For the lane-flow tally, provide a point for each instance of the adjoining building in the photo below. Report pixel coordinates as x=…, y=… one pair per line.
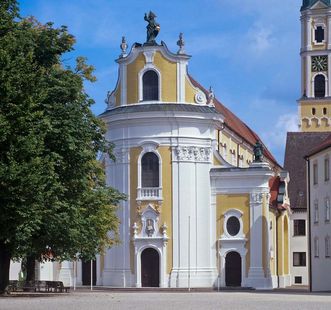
x=319, y=195
x=314, y=109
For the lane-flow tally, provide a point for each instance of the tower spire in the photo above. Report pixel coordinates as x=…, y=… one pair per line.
x=306, y=4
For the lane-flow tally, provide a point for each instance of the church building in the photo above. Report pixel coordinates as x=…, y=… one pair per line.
x=207, y=202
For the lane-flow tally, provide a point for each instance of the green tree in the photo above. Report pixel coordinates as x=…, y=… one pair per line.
x=53, y=196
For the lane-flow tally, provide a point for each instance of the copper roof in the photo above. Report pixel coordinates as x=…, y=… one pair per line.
x=236, y=124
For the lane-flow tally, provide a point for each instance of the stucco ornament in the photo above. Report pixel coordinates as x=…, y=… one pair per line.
x=200, y=98
x=193, y=153
x=256, y=198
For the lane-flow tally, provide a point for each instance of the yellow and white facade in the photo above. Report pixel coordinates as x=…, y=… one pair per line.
x=315, y=103
x=200, y=212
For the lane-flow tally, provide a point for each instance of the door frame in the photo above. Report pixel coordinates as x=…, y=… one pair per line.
x=159, y=246
x=226, y=246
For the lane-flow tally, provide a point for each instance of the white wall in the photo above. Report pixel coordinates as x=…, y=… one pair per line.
x=321, y=266
x=299, y=244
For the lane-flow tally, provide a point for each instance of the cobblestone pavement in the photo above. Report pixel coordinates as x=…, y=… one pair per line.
x=170, y=300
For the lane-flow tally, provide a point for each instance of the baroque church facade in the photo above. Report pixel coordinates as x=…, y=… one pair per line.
x=207, y=203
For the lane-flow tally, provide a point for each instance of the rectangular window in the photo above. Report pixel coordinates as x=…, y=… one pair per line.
x=327, y=247
x=326, y=169
x=316, y=247
x=315, y=174
x=299, y=227
x=316, y=214
x=299, y=259
x=327, y=210
x=298, y=280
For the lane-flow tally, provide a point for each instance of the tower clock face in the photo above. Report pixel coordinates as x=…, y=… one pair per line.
x=319, y=63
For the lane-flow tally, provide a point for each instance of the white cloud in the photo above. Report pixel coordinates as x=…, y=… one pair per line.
x=260, y=39
x=275, y=137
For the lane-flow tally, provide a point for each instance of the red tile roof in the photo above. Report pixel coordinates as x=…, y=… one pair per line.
x=274, y=187
x=236, y=124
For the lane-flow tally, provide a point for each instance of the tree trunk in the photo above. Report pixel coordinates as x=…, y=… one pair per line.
x=30, y=268
x=4, y=267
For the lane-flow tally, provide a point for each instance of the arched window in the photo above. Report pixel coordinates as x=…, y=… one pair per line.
x=319, y=34
x=150, y=170
x=325, y=111
x=150, y=86
x=319, y=86
x=313, y=111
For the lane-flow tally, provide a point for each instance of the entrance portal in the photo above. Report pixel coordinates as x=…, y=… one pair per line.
x=150, y=268
x=233, y=269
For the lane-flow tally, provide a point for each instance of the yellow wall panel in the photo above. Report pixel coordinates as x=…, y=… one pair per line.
x=280, y=245
x=132, y=78
x=272, y=219
x=168, y=71
x=190, y=91
x=265, y=232
x=166, y=209
x=239, y=202
x=134, y=154
x=118, y=96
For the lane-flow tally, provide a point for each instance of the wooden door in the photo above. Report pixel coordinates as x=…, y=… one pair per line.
x=233, y=269
x=150, y=268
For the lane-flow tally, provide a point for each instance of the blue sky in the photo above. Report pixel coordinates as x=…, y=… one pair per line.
x=247, y=50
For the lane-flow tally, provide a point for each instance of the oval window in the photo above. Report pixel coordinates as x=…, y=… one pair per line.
x=233, y=226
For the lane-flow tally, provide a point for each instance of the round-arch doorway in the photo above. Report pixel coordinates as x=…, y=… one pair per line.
x=150, y=268
x=233, y=269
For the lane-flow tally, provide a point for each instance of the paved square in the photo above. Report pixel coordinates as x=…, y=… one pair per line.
x=170, y=300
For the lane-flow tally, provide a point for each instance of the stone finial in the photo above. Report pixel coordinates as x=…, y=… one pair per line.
x=123, y=47
x=211, y=96
x=135, y=229
x=181, y=44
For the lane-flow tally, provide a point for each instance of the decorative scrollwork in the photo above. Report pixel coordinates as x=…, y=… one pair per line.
x=192, y=153
x=121, y=155
x=256, y=198
x=200, y=98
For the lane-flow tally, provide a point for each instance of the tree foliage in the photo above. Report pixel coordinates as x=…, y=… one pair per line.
x=52, y=188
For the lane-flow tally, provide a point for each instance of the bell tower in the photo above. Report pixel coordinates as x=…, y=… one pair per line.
x=315, y=101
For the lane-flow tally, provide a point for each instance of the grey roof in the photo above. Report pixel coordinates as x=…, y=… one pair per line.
x=156, y=107
x=298, y=144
